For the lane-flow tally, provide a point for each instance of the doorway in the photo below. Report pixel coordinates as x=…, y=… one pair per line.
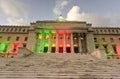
x=76, y=49
x=68, y=49
x=45, y=49
x=60, y=49
x=53, y=50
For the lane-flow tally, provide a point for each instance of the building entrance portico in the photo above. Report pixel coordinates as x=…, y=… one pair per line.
x=60, y=42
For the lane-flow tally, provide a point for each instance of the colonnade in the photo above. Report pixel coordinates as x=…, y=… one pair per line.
x=60, y=42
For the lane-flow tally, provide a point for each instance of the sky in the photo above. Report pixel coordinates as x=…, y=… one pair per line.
x=102, y=13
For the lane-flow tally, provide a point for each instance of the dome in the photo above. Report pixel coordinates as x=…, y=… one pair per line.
x=60, y=18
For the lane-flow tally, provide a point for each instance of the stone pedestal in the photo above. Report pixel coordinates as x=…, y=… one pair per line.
x=32, y=39
x=99, y=54
x=90, y=42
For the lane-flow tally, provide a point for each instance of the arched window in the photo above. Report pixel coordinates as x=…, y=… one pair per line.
x=23, y=30
x=19, y=29
x=3, y=29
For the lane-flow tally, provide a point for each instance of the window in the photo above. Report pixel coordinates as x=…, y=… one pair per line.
x=109, y=30
x=19, y=29
x=111, y=39
x=54, y=37
x=15, y=29
x=47, y=36
x=24, y=45
x=100, y=30
x=97, y=31
x=17, y=38
x=104, y=30
x=7, y=29
x=26, y=38
x=117, y=31
x=95, y=39
x=105, y=47
x=97, y=46
x=113, y=31
x=8, y=39
x=68, y=37
x=11, y=29
x=114, y=48
x=3, y=29
x=23, y=30
x=103, y=39
x=61, y=37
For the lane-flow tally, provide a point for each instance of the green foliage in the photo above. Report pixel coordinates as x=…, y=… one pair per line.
x=109, y=54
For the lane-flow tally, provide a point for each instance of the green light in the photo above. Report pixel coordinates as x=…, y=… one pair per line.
x=46, y=40
x=46, y=45
x=37, y=46
x=3, y=47
x=42, y=38
x=39, y=32
x=45, y=27
x=46, y=32
x=41, y=42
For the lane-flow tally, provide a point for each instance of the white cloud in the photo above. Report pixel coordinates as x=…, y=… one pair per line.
x=75, y=14
x=59, y=6
x=16, y=21
x=14, y=9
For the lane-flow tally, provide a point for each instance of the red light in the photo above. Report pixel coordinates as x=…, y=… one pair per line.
x=15, y=47
x=61, y=45
x=68, y=45
x=118, y=50
x=68, y=33
x=61, y=33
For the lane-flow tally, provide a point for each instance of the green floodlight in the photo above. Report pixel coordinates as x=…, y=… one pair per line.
x=3, y=46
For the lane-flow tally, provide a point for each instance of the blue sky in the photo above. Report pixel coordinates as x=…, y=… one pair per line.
x=97, y=12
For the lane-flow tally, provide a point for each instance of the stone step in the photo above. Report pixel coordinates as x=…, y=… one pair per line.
x=81, y=70
x=56, y=68
x=77, y=72
x=85, y=76
x=60, y=73
x=59, y=66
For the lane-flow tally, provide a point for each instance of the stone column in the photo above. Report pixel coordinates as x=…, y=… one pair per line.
x=49, y=43
x=31, y=40
x=56, y=42
x=90, y=42
x=72, y=49
x=64, y=43
x=80, y=44
x=42, y=43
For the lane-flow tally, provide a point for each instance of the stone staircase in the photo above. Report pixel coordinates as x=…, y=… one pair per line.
x=59, y=66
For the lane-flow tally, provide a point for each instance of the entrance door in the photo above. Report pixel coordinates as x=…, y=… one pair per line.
x=68, y=49
x=53, y=50
x=76, y=49
x=60, y=49
x=45, y=49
